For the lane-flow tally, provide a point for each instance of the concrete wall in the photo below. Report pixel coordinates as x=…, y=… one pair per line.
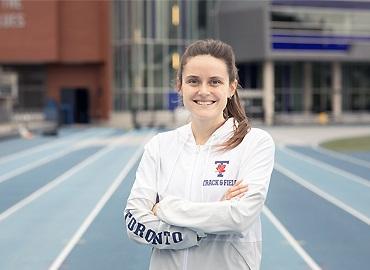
x=243, y=25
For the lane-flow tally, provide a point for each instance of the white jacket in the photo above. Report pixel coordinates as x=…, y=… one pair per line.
x=190, y=180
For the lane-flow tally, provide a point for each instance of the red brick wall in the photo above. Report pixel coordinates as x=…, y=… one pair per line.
x=77, y=76
x=72, y=38
x=80, y=32
x=32, y=35
x=107, y=55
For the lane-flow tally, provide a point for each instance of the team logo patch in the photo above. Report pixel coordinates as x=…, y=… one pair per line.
x=221, y=167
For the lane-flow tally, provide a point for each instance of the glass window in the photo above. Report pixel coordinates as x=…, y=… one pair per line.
x=31, y=87
x=250, y=75
x=202, y=17
x=321, y=87
x=173, y=19
x=148, y=34
x=157, y=65
x=288, y=86
x=172, y=58
x=356, y=86
x=324, y=20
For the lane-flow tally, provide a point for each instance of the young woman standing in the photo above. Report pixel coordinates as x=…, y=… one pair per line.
x=200, y=189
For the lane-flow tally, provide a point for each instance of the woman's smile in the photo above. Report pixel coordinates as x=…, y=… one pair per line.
x=204, y=102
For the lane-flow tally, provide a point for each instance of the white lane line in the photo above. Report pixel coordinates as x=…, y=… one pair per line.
x=38, y=193
x=292, y=241
x=351, y=177
x=357, y=214
x=35, y=164
x=99, y=206
x=40, y=148
x=341, y=156
x=45, y=146
x=43, y=161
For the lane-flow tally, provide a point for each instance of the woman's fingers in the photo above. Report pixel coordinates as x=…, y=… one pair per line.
x=238, y=190
x=238, y=185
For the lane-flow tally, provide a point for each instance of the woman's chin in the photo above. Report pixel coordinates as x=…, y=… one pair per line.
x=205, y=117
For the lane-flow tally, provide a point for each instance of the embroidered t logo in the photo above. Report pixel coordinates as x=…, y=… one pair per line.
x=221, y=167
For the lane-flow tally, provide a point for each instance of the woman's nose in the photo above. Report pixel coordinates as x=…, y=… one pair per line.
x=203, y=89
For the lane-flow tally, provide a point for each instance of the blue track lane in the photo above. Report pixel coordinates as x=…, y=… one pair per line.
x=342, y=187
x=36, y=154
x=332, y=237
x=17, y=144
x=109, y=239
x=359, y=170
x=277, y=253
x=365, y=156
x=33, y=236
x=14, y=145
x=58, y=213
x=21, y=186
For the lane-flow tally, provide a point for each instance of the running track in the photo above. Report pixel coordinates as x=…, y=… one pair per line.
x=61, y=202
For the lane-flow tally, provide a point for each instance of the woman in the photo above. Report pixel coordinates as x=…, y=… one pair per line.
x=190, y=200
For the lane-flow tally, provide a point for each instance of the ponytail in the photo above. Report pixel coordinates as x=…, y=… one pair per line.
x=241, y=122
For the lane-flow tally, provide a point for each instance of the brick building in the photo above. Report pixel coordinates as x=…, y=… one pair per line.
x=59, y=50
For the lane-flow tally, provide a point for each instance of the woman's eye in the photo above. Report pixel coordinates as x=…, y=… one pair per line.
x=215, y=82
x=192, y=81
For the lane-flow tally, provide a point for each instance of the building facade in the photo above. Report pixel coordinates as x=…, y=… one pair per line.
x=100, y=60
x=61, y=51
x=299, y=59
x=148, y=40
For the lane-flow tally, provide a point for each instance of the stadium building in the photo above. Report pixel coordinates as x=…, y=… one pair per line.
x=298, y=58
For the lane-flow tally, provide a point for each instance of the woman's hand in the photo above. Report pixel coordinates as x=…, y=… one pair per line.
x=154, y=209
x=238, y=190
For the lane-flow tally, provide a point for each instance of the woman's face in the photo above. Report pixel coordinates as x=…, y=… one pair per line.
x=205, y=88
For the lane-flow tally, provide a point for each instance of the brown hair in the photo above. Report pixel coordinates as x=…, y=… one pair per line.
x=224, y=52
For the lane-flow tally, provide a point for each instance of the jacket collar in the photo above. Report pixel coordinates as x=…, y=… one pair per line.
x=220, y=135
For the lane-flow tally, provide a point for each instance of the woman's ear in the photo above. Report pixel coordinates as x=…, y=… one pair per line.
x=233, y=87
x=178, y=87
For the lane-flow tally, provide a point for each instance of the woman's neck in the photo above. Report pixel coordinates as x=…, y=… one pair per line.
x=203, y=130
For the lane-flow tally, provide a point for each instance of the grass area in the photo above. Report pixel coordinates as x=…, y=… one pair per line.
x=361, y=144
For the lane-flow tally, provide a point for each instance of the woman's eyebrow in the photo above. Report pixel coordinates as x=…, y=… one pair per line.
x=192, y=77
x=216, y=77
x=195, y=77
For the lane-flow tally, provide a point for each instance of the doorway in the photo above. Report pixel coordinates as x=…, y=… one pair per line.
x=75, y=105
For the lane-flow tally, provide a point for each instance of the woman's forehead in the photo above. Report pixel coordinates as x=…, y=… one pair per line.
x=205, y=65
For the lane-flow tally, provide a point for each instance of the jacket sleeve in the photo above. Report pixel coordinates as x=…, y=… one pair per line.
x=142, y=225
x=232, y=216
